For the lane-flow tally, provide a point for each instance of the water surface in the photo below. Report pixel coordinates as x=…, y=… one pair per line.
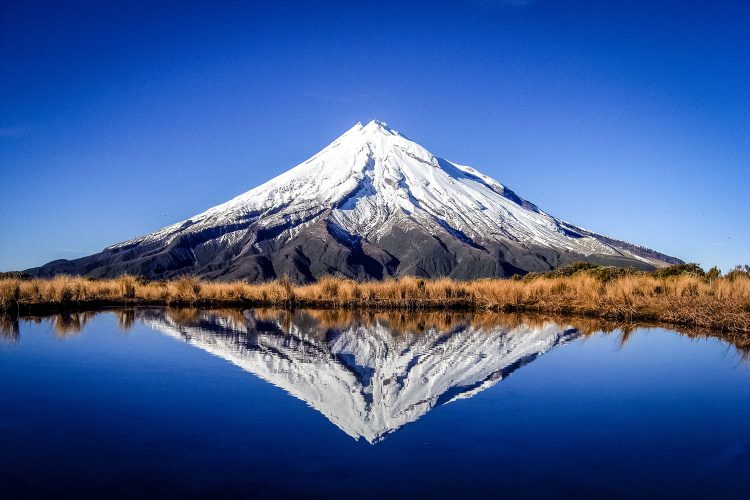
x=161, y=402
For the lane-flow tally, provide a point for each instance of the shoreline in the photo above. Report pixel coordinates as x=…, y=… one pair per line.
x=46, y=308
x=336, y=316
x=720, y=304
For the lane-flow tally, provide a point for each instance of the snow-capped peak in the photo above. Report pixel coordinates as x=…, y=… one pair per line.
x=372, y=178
x=377, y=126
x=363, y=131
x=373, y=185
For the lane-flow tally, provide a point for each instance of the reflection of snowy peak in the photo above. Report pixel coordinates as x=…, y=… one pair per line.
x=367, y=380
x=371, y=204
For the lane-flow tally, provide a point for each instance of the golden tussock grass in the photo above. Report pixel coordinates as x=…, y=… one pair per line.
x=721, y=303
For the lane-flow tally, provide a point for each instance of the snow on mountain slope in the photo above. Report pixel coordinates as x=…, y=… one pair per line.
x=372, y=176
x=366, y=379
x=372, y=187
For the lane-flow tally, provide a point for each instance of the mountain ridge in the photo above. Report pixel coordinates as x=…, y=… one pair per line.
x=370, y=205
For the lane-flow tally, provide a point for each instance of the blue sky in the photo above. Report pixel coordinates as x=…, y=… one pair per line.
x=628, y=118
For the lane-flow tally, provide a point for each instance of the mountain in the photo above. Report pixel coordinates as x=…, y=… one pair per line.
x=370, y=205
x=364, y=377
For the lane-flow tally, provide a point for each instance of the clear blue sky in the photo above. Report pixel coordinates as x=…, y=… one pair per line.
x=628, y=118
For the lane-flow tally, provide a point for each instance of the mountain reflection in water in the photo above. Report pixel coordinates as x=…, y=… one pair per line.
x=368, y=375
x=135, y=409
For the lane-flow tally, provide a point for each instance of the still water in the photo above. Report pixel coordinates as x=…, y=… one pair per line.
x=196, y=403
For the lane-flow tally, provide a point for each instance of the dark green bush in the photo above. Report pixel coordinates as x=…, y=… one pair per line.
x=608, y=273
x=15, y=275
x=679, y=270
x=713, y=273
x=739, y=271
x=571, y=269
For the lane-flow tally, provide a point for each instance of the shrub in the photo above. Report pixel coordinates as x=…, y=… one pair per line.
x=679, y=270
x=739, y=271
x=571, y=269
x=713, y=274
x=609, y=273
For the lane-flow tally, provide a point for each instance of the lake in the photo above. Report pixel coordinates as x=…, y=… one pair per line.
x=321, y=404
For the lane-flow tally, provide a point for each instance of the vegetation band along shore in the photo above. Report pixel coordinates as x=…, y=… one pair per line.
x=679, y=295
